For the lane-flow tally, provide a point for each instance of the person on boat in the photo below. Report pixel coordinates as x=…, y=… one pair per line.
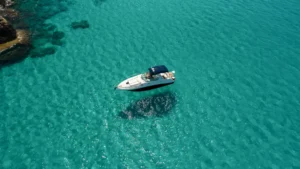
x=148, y=76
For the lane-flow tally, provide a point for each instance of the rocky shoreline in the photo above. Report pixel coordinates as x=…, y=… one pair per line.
x=17, y=17
x=13, y=42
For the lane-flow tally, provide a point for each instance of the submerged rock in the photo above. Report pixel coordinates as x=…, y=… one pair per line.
x=57, y=35
x=40, y=52
x=9, y=13
x=15, y=53
x=57, y=38
x=57, y=42
x=81, y=24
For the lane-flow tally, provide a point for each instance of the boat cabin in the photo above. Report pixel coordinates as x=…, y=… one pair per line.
x=154, y=72
x=157, y=70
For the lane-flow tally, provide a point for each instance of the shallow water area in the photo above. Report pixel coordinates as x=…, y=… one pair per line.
x=234, y=104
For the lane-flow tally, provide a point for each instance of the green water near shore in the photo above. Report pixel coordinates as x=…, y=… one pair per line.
x=235, y=102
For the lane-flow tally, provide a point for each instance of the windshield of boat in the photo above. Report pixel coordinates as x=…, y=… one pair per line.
x=148, y=77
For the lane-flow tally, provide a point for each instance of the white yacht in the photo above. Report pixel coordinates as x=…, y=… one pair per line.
x=156, y=77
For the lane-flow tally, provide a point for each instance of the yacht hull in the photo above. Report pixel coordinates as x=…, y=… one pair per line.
x=147, y=81
x=151, y=87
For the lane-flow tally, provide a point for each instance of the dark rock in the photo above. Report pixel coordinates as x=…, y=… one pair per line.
x=2, y=3
x=81, y=24
x=15, y=53
x=10, y=14
x=40, y=52
x=7, y=32
x=57, y=42
x=9, y=3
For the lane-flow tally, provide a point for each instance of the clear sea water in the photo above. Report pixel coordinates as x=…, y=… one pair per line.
x=235, y=102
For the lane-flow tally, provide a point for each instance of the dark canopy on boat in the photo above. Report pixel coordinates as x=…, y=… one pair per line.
x=158, y=69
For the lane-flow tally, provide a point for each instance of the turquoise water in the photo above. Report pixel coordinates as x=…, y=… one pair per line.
x=235, y=103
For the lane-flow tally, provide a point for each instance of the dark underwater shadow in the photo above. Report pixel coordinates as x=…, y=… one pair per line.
x=157, y=105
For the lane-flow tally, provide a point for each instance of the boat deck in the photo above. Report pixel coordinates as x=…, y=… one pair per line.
x=168, y=75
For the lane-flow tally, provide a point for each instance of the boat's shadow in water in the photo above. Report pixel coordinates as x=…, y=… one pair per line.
x=157, y=105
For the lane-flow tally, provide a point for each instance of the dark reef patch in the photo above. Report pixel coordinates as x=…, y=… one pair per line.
x=157, y=105
x=57, y=38
x=81, y=24
x=58, y=35
x=46, y=34
x=57, y=42
x=40, y=52
x=98, y=2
